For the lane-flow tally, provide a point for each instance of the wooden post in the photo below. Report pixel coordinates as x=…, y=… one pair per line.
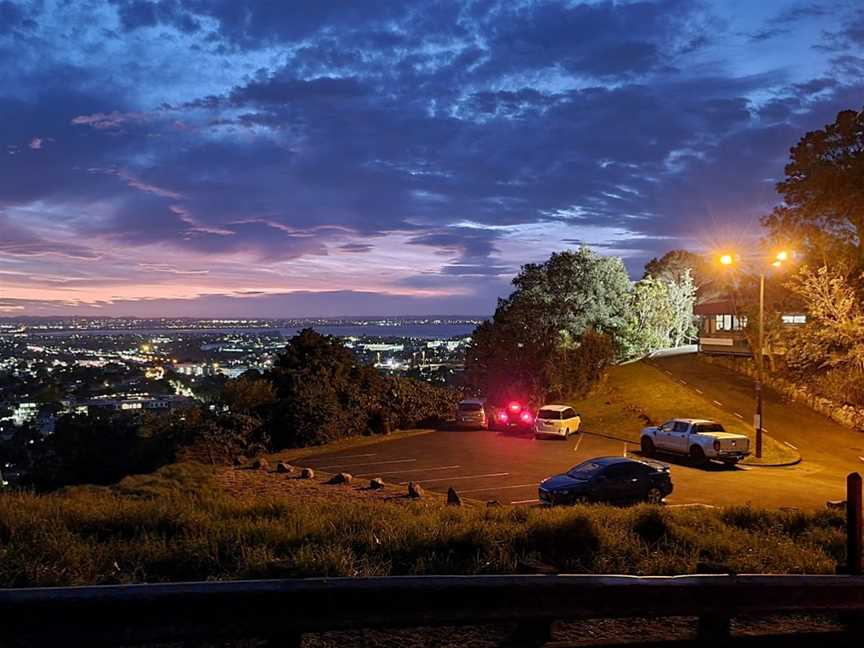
x=853, y=524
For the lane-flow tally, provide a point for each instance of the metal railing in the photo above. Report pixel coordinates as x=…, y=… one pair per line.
x=284, y=609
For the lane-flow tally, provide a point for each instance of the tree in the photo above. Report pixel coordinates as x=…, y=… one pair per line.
x=672, y=266
x=544, y=321
x=248, y=395
x=823, y=193
x=834, y=333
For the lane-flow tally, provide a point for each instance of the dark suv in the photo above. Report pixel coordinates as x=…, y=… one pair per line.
x=608, y=479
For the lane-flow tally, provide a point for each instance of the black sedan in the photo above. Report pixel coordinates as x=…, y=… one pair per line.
x=608, y=479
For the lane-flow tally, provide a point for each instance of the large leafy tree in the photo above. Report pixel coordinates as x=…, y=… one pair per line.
x=823, y=193
x=672, y=267
x=541, y=326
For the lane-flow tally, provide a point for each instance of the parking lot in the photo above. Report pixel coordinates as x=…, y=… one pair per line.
x=486, y=465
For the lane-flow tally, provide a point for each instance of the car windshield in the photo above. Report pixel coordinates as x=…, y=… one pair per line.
x=470, y=407
x=710, y=427
x=584, y=469
x=549, y=414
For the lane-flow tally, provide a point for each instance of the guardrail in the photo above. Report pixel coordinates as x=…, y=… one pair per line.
x=282, y=610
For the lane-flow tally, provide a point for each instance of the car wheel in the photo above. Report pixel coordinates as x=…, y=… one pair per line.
x=697, y=456
x=654, y=495
x=647, y=446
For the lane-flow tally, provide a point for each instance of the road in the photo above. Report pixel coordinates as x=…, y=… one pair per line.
x=486, y=465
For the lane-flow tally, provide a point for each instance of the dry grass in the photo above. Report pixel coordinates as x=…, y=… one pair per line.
x=180, y=524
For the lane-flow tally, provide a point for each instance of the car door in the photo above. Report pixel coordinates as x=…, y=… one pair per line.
x=572, y=419
x=663, y=438
x=679, y=437
x=613, y=483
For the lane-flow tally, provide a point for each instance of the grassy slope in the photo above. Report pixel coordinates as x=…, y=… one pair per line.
x=177, y=524
x=637, y=394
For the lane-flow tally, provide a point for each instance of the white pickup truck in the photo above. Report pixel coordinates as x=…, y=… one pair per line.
x=699, y=439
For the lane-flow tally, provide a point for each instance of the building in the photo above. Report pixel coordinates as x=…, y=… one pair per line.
x=721, y=328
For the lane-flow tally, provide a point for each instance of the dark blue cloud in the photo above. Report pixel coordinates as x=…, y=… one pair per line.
x=479, y=135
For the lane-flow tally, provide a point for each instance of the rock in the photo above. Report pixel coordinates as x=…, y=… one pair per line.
x=415, y=491
x=453, y=498
x=261, y=464
x=307, y=473
x=376, y=484
x=283, y=467
x=240, y=460
x=836, y=504
x=493, y=503
x=340, y=478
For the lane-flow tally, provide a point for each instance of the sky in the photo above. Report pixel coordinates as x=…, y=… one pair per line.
x=245, y=158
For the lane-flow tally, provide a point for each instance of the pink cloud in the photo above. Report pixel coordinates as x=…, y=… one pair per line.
x=108, y=121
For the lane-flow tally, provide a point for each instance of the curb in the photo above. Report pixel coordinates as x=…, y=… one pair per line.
x=793, y=462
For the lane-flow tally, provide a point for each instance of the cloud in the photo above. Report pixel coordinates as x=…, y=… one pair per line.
x=392, y=147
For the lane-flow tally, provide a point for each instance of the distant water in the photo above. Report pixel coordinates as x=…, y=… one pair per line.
x=427, y=331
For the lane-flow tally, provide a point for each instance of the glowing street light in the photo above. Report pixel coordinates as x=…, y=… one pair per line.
x=778, y=260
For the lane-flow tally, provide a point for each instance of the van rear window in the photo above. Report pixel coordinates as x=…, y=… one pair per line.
x=549, y=414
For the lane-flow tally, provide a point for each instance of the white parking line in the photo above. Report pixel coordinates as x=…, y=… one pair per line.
x=683, y=382
x=738, y=415
x=438, y=479
x=717, y=403
x=578, y=441
x=740, y=467
x=698, y=391
x=525, y=501
x=625, y=450
x=790, y=445
x=481, y=490
x=861, y=458
x=357, y=456
x=368, y=463
x=667, y=371
x=407, y=470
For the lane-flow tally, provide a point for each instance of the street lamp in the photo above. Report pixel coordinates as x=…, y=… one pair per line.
x=776, y=261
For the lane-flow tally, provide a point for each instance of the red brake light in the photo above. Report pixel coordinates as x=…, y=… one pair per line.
x=502, y=416
x=514, y=406
x=526, y=417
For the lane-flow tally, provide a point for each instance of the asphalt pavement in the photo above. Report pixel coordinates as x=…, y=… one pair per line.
x=487, y=465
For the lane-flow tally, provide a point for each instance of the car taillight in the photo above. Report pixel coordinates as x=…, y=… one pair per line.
x=502, y=416
x=514, y=407
x=526, y=417
x=716, y=444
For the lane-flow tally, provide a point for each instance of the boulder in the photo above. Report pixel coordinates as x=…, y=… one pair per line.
x=453, y=498
x=340, y=478
x=240, y=460
x=376, y=484
x=261, y=464
x=493, y=503
x=283, y=467
x=415, y=491
x=836, y=504
x=307, y=473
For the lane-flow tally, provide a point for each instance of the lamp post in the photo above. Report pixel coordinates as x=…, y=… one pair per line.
x=776, y=261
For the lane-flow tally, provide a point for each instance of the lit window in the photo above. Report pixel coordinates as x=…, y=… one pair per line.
x=794, y=319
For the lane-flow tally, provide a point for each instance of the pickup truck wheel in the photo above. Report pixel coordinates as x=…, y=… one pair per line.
x=697, y=456
x=647, y=446
x=654, y=495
